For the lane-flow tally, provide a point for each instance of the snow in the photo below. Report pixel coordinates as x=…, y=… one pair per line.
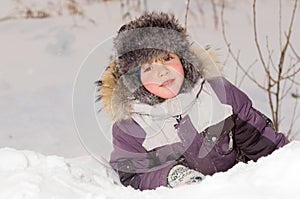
x=28, y=174
x=41, y=153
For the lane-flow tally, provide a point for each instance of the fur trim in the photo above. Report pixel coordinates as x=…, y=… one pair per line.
x=114, y=95
x=210, y=65
x=117, y=99
x=106, y=87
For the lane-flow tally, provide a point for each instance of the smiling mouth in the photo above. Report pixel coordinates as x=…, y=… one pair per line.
x=167, y=83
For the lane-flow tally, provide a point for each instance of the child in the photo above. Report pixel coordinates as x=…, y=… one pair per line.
x=177, y=119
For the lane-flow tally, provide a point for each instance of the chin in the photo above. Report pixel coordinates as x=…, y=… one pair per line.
x=168, y=95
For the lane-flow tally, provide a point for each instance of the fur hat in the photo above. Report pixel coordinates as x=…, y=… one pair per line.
x=141, y=41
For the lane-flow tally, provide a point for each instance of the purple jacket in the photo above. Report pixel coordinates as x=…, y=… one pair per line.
x=246, y=135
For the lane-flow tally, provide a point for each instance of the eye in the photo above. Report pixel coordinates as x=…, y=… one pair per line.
x=148, y=68
x=168, y=58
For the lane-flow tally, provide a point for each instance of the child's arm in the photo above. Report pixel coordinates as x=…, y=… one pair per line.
x=254, y=134
x=137, y=167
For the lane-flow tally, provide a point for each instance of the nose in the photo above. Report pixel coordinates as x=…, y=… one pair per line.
x=163, y=71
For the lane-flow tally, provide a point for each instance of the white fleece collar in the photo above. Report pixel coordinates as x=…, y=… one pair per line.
x=203, y=108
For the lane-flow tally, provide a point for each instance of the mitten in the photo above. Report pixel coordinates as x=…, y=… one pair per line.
x=180, y=175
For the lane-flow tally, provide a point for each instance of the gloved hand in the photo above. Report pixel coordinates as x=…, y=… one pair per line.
x=180, y=175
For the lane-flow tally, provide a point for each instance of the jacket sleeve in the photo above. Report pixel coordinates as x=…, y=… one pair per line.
x=136, y=166
x=253, y=132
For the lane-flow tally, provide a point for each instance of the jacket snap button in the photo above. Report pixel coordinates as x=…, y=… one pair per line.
x=214, y=139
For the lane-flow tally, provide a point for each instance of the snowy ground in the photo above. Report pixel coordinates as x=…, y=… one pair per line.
x=27, y=174
x=40, y=59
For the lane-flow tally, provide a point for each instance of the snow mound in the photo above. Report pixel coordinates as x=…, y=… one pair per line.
x=12, y=159
x=28, y=174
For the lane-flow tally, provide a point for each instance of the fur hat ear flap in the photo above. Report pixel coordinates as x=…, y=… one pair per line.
x=131, y=80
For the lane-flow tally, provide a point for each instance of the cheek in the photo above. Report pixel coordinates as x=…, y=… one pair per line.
x=149, y=83
x=149, y=79
x=152, y=88
x=178, y=69
x=146, y=79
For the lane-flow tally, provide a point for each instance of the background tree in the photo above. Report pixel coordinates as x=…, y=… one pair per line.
x=281, y=77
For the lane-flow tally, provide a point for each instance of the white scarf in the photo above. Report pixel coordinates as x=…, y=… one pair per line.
x=158, y=121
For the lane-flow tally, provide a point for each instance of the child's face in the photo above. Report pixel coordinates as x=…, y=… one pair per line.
x=164, y=76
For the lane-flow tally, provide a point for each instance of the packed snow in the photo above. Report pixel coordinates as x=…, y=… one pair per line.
x=41, y=153
x=28, y=174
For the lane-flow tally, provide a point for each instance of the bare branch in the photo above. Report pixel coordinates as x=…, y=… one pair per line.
x=269, y=92
x=287, y=43
x=277, y=85
x=292, y=67
x=294, y=82
x=216, y=18
x=270, y=57
x=7, y=18
x=237, y=67
x=294, y=117
x=280, y=24
x=285, y=91
x=295, y=133
x=233, y=55
x=292, y=74
x=201, y=11
x=247, y=71
x=186, y=14
x=294, y=51
x=256, y=38
x=281, y=64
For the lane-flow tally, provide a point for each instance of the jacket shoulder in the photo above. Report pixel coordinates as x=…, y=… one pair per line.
x=128, y=132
